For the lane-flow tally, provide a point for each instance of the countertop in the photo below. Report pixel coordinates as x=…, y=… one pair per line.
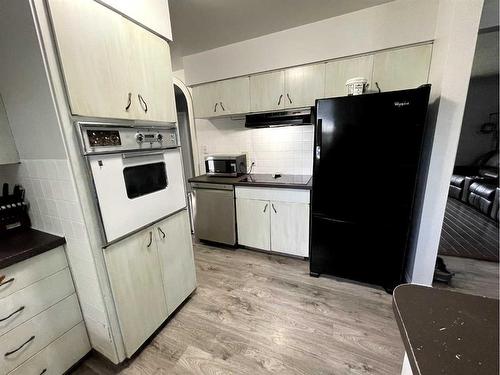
x=20, y=244
x=259, y=180
x=447, y=332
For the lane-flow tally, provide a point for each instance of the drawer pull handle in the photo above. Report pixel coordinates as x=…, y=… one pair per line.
x=22, y=346
x=12, y=313
x=2, y=283
x=265, y=207
x=222, y=106
x=150, y=238
x=43, y=371
x=274, y=209
x=162, y=232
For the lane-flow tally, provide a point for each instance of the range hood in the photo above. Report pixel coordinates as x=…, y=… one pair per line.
x=303, y=116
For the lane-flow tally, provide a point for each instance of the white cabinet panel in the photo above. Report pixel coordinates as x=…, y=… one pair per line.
x=175, y=250
x=339, y=71
x=31, y=270
x=8, y=150
x=273, y=194
x=290, y=228
x=404, y=68
x=94, y=49
x=234, y=96
x=253, y=221
x=137, y=287
x=206, y=100
x=267, y=91
x=304, y=84
x=58, y=356
x=26, y=303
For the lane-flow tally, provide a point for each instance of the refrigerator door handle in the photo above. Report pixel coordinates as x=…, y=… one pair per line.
x=318, y=152
x=319, y=129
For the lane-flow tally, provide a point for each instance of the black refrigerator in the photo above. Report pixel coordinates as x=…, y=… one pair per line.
x=368, y=155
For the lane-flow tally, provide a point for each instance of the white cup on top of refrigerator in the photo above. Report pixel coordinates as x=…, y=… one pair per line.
x=356, y=86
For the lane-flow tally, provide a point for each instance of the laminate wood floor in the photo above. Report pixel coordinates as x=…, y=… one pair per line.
x=255, y=313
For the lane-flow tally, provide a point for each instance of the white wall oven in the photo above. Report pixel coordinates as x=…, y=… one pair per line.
x=136, y=173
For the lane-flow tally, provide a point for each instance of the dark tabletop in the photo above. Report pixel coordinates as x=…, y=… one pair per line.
x=447, y=332
x=20, y=244
x=260, y=180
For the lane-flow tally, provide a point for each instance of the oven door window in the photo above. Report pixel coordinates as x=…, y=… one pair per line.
x=145, y=179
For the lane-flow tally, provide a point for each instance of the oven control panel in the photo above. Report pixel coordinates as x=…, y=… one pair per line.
x=106, y=138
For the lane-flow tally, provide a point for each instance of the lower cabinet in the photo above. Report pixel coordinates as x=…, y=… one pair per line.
x=151, y=274
x=273, y=219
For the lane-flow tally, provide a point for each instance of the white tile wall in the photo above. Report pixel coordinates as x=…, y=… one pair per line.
x=285, y=149
x=54, y=208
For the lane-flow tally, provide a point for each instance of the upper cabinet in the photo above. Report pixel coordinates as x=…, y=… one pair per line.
x=402, y=68
x=339, y=71
x=8, y=150
x=112, y=67
x=222, y=98
x=304, y=84
x=300, y=86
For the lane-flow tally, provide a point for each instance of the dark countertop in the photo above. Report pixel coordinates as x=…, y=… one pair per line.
x=20, y=244
x=288, y=181
x=447, y=332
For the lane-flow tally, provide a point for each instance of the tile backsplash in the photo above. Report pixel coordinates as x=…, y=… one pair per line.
x=287, y=150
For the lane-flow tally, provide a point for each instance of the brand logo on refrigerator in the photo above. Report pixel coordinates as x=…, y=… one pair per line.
x=401, y=104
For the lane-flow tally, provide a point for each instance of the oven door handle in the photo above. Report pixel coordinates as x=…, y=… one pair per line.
x=140, y=154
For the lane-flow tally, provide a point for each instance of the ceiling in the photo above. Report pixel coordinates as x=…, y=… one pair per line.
x=200, y=25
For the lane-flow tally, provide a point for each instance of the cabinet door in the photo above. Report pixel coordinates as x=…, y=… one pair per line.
x=253, y=221
x=267, y=91
x=175, y=250
x=137, y=287
x=339, y=71
x=303, y=85
x=8, y=150
x=94, y=51
x=405, y=68
x=152, y=76
x=206, y=100
x=234, y=96
x=290, y=228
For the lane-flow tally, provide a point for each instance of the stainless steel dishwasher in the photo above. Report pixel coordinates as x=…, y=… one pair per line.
x=214, y=212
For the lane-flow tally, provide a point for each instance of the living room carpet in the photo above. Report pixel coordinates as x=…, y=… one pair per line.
x=468, y=233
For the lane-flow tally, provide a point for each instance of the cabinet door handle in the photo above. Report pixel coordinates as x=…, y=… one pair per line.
x=2, y=283
x=43, y=371
x=215, y=108
x=20, y=347
x=274, y=209
x=378, y=87
x=224, y=109
x=162, y=232
x=279, y=100
x=12, y=313
x=265, y=207
x=142, y=102
x=288, y=96
x=150, y=238
x=129, y=101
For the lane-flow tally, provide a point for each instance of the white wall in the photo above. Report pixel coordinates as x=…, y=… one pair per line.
x=455, y=41
x=152, y=14
x=288, y=150
x=24, y=88
x=393, y=24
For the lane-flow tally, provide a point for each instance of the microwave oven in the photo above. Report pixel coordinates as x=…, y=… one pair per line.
x=226, y=165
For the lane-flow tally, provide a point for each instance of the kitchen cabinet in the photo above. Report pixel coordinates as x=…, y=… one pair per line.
x=175, y=250
x=339, y=71
x=137, y=287
x=8, y=150
x=404, y=68
x=304, y=84
x=112, y=67
x=253, y=221
x=222, y=98
x=267, y=91
x=273, y=219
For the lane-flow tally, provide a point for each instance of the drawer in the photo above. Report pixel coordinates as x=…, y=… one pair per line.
x=30, y=301
x=35, y=334
x=59, y=356
x=273, y=194
x=31, y=270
